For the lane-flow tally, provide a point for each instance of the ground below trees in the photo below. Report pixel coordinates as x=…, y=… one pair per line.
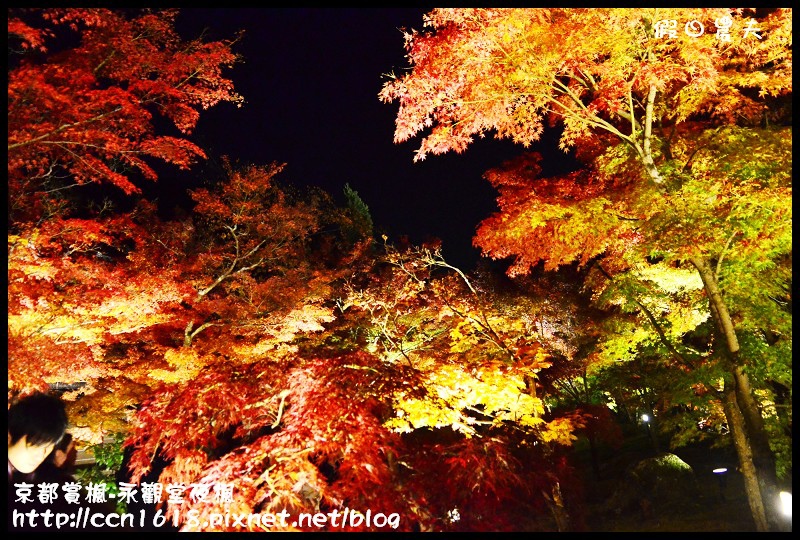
x=717, y=507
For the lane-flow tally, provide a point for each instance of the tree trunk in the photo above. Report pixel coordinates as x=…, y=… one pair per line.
x=748, y=469
x=752, y=445
x=763, y=458
x=556, y=504
x=756, y=459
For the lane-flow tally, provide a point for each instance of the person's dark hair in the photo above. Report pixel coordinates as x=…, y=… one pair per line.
x=63, y=444
x=40, y=417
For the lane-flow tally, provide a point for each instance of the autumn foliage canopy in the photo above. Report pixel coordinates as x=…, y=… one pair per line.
x=89, y=112
x=679, y=207
x=260, y=339
x=263, y=337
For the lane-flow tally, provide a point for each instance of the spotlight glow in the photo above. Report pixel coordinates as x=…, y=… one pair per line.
x=786, y=503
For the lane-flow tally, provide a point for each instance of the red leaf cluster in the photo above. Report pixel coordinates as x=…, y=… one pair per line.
x=89, y=110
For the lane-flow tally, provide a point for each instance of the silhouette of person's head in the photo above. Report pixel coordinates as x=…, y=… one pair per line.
x=36, y=424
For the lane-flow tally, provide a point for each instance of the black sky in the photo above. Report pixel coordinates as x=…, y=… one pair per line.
x=310, y=79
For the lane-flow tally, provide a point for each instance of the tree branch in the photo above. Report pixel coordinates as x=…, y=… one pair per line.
x=62, y=128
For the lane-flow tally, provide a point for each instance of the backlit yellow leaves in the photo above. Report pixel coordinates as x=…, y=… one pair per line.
x=186, y=363
x=463, y=337
x=669, y=278
x=475, y=356
x=69, y=322
x=622, y=346
x=23, y=261
x=464, y=400
x=560, y=431
x=279, y=331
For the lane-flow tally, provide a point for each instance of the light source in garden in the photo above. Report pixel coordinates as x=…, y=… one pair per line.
x=650, y=433
x=786, y=503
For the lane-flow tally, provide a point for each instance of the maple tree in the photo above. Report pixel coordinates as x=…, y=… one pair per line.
x=73, y=300
x=269, y=393
x=219, y=342
x=126, y=289
x=96, y=97
x=477, y=357
x=682, y=169
x=126, y=323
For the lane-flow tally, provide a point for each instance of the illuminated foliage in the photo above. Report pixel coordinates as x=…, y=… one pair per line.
x=129, y=294
x=272, y=391
x=477, y=361
x=510, y=69
x=257, y=341
x=681, y=171
x=88, y=113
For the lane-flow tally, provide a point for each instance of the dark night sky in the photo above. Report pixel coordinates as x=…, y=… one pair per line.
x=311, y=78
